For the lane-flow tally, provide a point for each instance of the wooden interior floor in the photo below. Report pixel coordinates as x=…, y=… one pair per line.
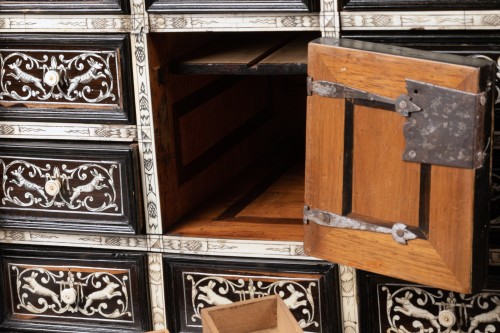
x=259, y=205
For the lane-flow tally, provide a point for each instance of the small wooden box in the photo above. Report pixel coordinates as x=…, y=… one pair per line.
x=261, y=315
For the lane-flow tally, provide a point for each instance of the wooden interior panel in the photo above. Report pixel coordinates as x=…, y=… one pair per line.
x=212, y=126
x=384, y=187
x=251, y=53
x=204, y=124
x=264, y=202
x=445, y=258
x=283, y=199
x=328, y=122
x=234, y=49
x=294, y=51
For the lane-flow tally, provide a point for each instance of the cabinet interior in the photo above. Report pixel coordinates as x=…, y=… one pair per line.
x=229, y=114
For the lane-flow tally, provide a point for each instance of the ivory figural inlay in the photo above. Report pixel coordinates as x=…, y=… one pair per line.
x=409, y=307
x=29, y=184
x=86, y=77
x=68, y=292
x=217, y=290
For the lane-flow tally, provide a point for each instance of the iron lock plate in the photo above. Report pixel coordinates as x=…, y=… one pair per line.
x=448, y=130
x=444, y=127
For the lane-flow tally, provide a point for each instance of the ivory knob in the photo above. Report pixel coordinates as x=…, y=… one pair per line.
x=68, y=295
x=51, y=78
x=52, y=187
x=447, y=318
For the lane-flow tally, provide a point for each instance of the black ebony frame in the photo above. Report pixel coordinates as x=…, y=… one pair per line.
x=417, y=5
x=65, y=6
x=225, y=6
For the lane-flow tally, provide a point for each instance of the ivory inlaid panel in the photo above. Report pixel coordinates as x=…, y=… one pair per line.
x=70, y=187
x=66, y=77
x=422, y=20
x=29, y=23
x=194, y=283
x=233, y=22
x=395, y=306
x=68, y=131
x=77, y=291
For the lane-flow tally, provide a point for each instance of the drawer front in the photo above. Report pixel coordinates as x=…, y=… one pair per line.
x=75, y=187
x=64, y=6
x=417, y=5
x=214, y=6
x=66, y=77
x=60, y=291
x=309, y=289
x=390, y=305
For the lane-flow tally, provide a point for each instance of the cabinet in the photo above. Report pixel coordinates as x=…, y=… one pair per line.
x=202, y=111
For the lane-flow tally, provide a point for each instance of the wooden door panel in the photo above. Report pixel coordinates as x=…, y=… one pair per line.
x=355, y=168
x=377, y=167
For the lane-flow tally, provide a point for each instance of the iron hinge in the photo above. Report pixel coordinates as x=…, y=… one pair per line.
x=445, y=126
x=399, y=231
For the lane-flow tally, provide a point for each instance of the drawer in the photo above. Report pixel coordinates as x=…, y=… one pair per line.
x=66, y=78
x=384, y=5
x=65, y=7
x=214, y=6
x=390, y=305
x=47, y=290
x=70, y=186
x=194, y=283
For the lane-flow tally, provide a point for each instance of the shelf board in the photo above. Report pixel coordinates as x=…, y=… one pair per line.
x=250, y=54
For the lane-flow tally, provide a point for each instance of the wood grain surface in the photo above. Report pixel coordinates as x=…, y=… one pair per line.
x=384, y=187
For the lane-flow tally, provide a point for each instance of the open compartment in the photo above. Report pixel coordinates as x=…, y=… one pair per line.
x=230, y=126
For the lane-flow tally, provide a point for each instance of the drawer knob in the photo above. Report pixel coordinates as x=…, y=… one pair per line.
x=447, y=318
x=52, y=187
x=69, y=295
x=51, y=78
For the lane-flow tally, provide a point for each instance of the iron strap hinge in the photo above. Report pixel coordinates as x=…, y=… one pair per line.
x=402, y=105
x=399, y=231
x=445, y=126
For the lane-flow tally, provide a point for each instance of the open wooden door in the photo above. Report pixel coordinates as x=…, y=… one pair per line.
x=397, y=162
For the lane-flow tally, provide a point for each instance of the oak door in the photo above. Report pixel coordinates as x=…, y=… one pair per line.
x=398, y=162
